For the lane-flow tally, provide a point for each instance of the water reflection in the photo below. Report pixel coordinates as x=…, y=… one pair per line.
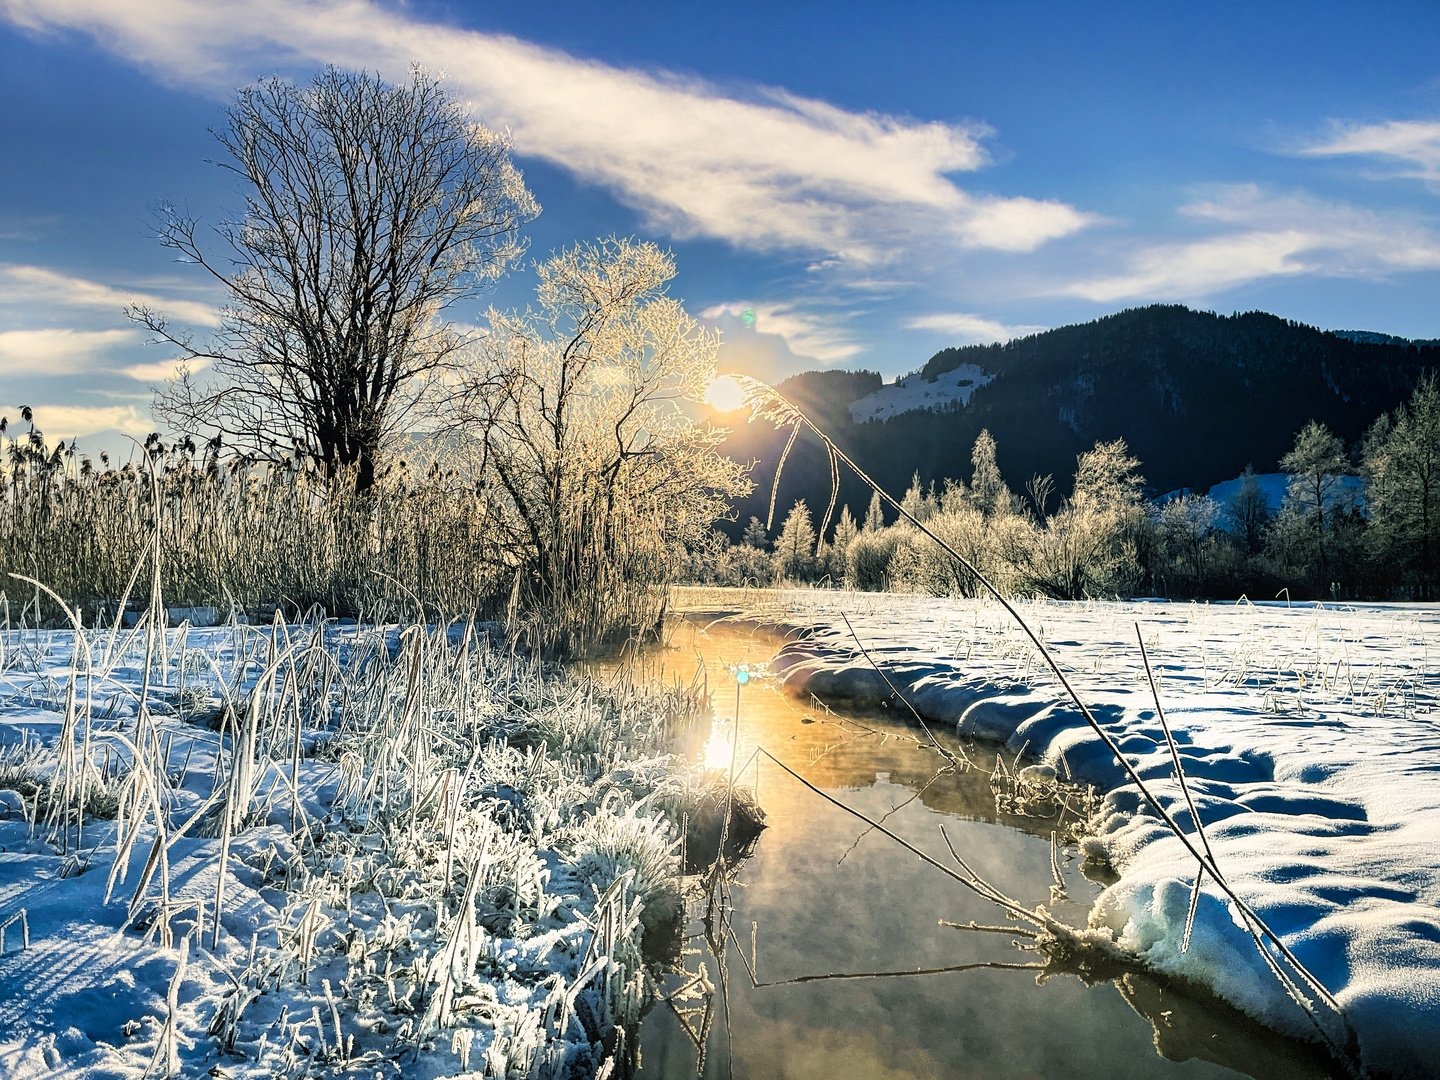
x=766, y=988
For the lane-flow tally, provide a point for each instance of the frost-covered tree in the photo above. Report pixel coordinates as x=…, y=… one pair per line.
x=582, y=440
x=1401, y=459
x=831, y=560
x=1108, y=478
x=875, y=515
x=1093, y=544
x=755, y=535
x=1316, y=465
x=918, y=502
x=795, y=546
x=987, y=486
x=1187, y=527
x=868, y=559
x=845, y=530
x=953, y=495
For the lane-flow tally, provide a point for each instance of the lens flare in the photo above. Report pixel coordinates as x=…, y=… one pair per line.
x=725, y=394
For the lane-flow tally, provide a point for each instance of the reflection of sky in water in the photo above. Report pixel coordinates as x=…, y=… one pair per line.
x=824, y=903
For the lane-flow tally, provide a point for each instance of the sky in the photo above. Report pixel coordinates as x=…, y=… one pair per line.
x=850, y=185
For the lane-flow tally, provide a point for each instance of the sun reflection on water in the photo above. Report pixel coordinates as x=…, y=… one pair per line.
x=717, y=752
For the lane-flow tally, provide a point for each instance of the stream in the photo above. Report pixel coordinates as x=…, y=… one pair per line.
x=824, y=895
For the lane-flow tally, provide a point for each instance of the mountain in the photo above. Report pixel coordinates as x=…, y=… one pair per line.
x=1196, y=396
x=1375, y=338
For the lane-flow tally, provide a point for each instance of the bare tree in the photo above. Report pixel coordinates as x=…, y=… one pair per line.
x=1248, y=512
x=369, y=209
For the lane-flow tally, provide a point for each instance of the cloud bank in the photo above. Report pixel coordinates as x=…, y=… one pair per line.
x=78, y=421
x=57, y=351
x=34, y=287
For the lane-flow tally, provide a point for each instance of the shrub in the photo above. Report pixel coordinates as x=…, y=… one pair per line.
x=868, y=559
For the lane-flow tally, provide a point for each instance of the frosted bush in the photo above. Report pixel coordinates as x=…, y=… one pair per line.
x=868, y=559
x=995, y=545
x=610, y=844
x=640, y=843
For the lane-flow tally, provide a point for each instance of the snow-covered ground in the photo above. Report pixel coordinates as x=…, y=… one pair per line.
x=441, y=863
x=913, y=392
x=1310, y=735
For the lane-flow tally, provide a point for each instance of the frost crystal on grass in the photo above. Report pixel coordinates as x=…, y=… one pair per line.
x=285, y=850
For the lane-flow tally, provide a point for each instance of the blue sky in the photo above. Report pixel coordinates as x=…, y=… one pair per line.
x=874, y=181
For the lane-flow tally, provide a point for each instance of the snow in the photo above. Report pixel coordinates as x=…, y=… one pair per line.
x=913, y=392
x=1310, y=735
x=390, y=931
x=1273, y=486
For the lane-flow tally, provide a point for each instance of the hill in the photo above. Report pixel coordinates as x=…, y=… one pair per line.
x=1197, y=396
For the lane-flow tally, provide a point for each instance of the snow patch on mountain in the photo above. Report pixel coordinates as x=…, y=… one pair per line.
x=914, y=392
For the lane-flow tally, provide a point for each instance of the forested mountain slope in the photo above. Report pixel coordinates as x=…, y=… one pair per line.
x=1197, y=397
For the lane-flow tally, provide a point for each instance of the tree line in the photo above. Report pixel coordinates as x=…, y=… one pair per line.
x=1357, y=522
x=1164, y=378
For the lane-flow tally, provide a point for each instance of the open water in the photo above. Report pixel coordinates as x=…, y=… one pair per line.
x=823, y=895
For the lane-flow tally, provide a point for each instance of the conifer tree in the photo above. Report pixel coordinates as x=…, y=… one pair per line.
x=918, y=503
x=795, y=546
x=845, y=530
x=874, y=516
x=987, y=487
x=754, y=534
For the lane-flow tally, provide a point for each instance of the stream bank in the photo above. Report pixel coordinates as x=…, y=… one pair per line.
x=816, y=943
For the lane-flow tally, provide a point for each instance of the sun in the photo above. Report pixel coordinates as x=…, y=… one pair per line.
x=725, y=394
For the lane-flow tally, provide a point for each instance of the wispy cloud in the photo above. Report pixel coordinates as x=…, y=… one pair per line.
x=56, y=351
x=1415, y=142
x=26, y=226
x=163, y=370
x=816, y=336
x=78, y=421
x=766, y=170
x=1268, y=237
x=971, y=329
x=35, y=286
